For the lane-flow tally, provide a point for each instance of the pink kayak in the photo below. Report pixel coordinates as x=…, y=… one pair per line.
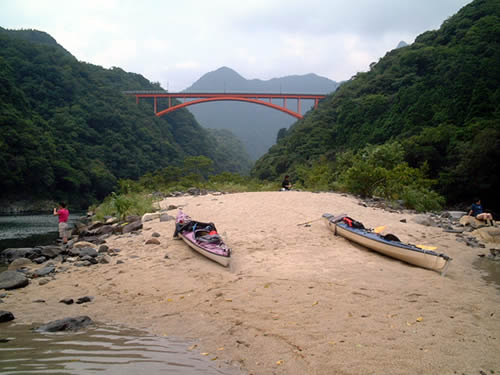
x=203, y=238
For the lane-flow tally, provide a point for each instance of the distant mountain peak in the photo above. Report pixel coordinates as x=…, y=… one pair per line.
x=401, y=44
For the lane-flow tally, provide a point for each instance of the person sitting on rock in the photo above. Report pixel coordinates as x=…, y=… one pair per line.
x=477, y=211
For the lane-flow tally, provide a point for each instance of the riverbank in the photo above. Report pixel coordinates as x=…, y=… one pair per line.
x=296, y=300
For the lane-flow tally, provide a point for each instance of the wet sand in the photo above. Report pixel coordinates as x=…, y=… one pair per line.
x=296, y=299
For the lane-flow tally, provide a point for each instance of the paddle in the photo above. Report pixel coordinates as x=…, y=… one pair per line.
x=426, y=247
x=309, y=222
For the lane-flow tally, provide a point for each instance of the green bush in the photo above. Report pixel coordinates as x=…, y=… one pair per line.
x=422, y=199
x=122, y=205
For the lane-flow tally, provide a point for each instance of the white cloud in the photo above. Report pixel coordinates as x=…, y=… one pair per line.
x=177, y=42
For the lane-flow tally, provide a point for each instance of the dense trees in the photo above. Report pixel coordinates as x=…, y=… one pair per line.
x=440, y=97
x=67, y=131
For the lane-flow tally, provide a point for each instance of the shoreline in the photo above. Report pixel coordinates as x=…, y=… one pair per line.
x=296, y=300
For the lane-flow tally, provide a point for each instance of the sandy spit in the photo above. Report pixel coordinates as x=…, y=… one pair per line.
x=296, y=299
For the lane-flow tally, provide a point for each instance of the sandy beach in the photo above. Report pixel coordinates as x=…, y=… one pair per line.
x=296, y=299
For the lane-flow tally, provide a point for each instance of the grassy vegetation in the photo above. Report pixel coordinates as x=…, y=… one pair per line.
x=373, y=171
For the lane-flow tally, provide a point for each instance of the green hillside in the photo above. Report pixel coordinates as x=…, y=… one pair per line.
x=437, y=100
x=68, y=132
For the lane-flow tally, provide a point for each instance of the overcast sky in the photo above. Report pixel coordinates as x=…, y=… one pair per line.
x=175, y=42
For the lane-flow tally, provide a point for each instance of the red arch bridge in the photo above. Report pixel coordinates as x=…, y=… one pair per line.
x=191, y=98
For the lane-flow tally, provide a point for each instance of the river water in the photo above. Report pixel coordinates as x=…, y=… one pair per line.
x=29, y=230
x=95, y=350
x=99, y=350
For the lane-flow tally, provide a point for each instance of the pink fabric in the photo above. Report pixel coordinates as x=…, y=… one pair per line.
x=63, y=214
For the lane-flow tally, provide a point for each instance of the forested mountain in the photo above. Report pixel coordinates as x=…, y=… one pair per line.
x=257, y=126
x=68, y=131
x=438, y=97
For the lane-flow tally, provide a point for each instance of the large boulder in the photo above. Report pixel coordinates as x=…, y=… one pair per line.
x=166, y=217
x=51, y=251
x=13, y=280
x=134, y=226
x=488, y=234
x=150, y=216
x=9, y=255
x=20, y=263
x=132, y=218
x=44, y=271
x=105, y=229
x=66, y=324
x=82, y=244
x=471, y=221
x=89, y=251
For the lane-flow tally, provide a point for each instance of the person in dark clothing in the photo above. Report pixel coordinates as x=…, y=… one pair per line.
x=286, y=184
x=477, y=211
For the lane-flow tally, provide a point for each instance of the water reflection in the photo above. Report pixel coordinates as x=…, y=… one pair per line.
x=99, y=349
x=490, y=270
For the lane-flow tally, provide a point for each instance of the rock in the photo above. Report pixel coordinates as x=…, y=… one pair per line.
x=84, y=299
x=11, y=254
x=106, y=259
x=193, y=191
x=132, y=218
x=51, y=251
x=67, y=301
x=403, y=220
x=150, y=216
x=95, y=225
x=84, y=263
x=105, y=229
x=456, y=215
x=424, y=220
x=93, y=240
x=136, y=225
x=43, y=282
x=488, y=234
x=39, y=260
x=155, y=234
x=111, y=220
x=103, y=249
x=90, y=251
x=472, y=222
x=166, y=256
x=166, y=217
x=171, y=207
x=13, y=280
x=19, y=263
x=82, y=244
x=451, y=230
x=66, y=324
x=119, y=261
x=153, y=241
x=44, y=271
x=6, y=316
x=39, y=301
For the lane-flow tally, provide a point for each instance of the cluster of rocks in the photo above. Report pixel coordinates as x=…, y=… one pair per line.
x=468, y=230
x=86, y=247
